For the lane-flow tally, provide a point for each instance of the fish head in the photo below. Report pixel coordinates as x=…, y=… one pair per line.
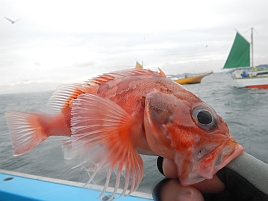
x=190, y=133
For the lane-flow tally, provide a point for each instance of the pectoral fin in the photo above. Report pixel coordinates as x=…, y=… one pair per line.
x=102, y=129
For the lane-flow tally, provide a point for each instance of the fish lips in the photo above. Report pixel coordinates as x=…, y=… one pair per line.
x=217, y=159
x=208, y=165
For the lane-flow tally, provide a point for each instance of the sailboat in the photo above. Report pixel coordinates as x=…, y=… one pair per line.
x=138, y=65
x=245, y=74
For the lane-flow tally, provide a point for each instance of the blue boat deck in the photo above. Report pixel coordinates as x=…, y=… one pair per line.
x=25, y=187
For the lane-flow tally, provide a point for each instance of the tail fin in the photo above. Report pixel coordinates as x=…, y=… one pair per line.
x=25, y=130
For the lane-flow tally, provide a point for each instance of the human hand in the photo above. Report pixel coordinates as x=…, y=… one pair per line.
x=245, y=178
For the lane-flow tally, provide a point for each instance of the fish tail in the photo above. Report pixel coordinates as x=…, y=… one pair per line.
x=26, y=131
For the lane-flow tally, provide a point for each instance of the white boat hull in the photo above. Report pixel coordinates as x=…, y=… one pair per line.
x=260, y=82
x=253, y=80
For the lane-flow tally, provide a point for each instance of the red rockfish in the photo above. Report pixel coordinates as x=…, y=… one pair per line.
x=113, y=118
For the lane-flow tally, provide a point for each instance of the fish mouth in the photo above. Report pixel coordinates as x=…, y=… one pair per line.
x=209, y=165
x=223, y=159
x=206, y=161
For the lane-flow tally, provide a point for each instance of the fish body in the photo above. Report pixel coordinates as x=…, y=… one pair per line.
x=113, y=118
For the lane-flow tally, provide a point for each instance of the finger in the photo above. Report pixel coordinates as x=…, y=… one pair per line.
x=169, y=169
x=214, y=185
x=171, y=189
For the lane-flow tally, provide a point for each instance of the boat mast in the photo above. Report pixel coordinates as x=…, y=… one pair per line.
x=252, y=64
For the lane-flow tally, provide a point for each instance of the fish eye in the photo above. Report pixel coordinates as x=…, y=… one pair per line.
x=204, y=118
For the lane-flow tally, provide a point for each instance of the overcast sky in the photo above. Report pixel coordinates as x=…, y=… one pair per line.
x=56, y=42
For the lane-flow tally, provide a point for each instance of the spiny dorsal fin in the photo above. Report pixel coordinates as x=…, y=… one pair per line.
x=64, y=95
x=62, y=98
x=161, y=72
x=123, y=73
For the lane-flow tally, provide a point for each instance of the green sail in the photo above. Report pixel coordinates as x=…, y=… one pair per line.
x=239, y=55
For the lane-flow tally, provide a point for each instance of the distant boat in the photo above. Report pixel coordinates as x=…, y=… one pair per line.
x=138, y=65
x=246, y=75
x=193, y=79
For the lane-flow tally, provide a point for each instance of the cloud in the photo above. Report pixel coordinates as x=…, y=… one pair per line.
x=78, y=40
x=29, y=86
x=85, y=64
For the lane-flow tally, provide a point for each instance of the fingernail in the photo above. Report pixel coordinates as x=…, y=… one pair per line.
x=160, y=165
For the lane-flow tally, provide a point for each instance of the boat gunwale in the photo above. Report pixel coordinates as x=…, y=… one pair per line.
x=72, y=183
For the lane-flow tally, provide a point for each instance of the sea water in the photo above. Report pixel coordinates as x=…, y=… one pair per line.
x=244, y=110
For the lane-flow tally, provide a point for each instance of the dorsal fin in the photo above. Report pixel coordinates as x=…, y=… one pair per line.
x=161, y=72
x=123, y=73
x=63, y=96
